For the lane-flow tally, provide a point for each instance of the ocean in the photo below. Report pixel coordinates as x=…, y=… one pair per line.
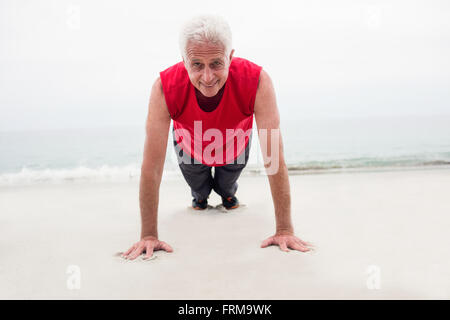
x=310, y=146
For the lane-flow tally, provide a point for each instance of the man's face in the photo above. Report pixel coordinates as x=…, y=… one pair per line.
x=207, y=66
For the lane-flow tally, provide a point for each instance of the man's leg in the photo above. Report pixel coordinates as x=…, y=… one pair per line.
x=225, y=177
x=197, y=176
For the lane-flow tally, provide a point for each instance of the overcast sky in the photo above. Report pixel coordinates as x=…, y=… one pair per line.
x=92, y=63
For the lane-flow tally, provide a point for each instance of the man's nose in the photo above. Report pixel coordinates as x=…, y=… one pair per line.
x=208, y=75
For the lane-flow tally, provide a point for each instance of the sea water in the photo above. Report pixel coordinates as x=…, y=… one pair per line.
x=310, y=145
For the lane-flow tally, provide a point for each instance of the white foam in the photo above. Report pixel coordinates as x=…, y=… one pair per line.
x=103, y=173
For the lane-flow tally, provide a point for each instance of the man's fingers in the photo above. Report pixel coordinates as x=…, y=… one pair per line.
x=309, y=245
x=296, y=246
x=303, y=243
x=148, y=250
x=306, y=244
x=165, y=246
x=128, y=251
x=283, y=246
x=267, y=242
x=146, y=246
x=136, y=252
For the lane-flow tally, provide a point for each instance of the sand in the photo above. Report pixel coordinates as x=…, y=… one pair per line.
x=378, y=235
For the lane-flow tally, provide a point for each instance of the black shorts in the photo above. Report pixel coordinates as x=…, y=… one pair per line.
x=201, y=180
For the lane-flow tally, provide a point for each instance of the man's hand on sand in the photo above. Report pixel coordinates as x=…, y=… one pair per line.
x=285, y=241
x=147, y=245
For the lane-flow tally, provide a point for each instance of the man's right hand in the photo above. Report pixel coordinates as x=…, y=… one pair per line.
x=147, y=245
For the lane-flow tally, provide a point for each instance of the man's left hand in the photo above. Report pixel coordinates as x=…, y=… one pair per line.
x=285, y=241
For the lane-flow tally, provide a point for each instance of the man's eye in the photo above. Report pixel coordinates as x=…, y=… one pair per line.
x=216, y=64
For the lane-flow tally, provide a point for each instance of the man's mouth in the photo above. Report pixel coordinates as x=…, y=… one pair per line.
x=209, y=86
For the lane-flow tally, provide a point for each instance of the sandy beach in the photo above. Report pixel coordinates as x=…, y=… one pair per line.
x=378, y=235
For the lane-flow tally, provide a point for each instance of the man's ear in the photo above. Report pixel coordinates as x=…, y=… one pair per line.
x=231, y=54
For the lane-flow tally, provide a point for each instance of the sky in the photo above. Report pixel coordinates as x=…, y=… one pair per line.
x=76, y=64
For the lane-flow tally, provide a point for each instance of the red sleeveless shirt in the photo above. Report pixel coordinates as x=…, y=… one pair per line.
x=217, y=137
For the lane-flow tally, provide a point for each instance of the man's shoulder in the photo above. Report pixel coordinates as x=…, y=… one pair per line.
x=244, y=71
x=264, y=80
x=239, y=62
x=157, y=86
x=174, y=77
x=174, y=67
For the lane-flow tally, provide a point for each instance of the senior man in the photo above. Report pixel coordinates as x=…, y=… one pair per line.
x=212, y=96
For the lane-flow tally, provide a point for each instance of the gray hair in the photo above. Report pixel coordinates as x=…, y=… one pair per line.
x=206, y=28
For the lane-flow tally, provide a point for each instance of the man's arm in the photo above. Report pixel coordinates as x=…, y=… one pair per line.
x=157, y=129
x=268, y=120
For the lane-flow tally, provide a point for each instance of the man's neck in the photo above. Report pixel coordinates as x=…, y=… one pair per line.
x=209, y=104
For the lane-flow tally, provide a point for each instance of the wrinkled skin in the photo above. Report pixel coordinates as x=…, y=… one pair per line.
x=207, y=65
